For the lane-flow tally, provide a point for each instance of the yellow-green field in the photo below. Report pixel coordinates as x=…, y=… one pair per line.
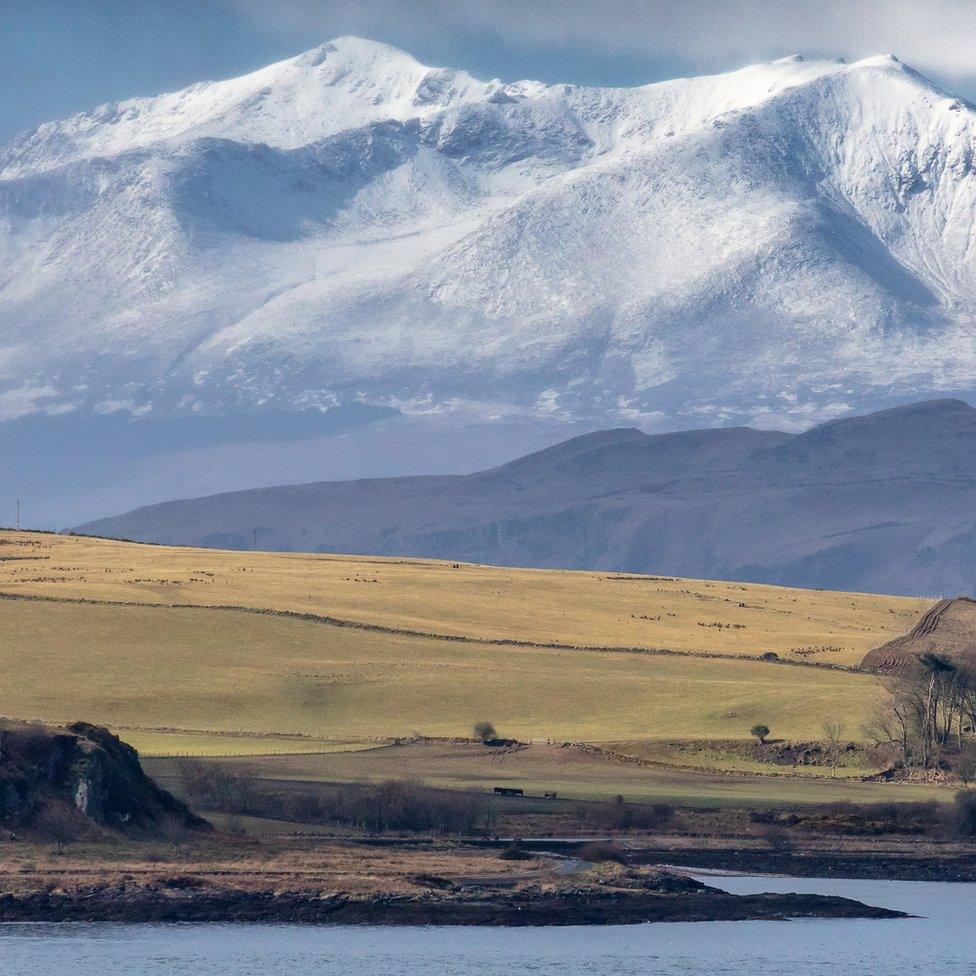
x=482, y=602
x=147, y=668
x=166, y=742
x=165, y=646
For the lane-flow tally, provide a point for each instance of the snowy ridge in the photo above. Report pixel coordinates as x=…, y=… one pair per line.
x=775, y=244
x=340, y=85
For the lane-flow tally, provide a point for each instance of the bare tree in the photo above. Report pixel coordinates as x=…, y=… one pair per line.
x=833, y=733
x=924, y=704
x=195, y=779
x=967, y=695
x=777, y=837
x=940, y=672
x=61, y=823
x=243, y=783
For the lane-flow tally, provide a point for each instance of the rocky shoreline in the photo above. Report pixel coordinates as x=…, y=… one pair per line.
x=196, y=900
x=855, y=865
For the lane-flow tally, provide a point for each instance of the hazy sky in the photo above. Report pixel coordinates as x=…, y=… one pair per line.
x=62, y=56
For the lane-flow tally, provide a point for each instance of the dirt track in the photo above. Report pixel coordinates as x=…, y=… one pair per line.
x=949, y=627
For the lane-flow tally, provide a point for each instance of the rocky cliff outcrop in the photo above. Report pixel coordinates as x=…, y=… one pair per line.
x=85, y=768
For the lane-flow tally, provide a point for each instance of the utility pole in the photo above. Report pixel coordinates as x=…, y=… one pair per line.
x=254, y=538
x=18, y=513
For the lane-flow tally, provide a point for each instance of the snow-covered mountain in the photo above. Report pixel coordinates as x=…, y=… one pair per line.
x=775, y=245
x=350, y=235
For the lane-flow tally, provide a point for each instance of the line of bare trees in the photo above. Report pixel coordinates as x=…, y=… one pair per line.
x=216, y=786
x=927, y=708
x=391, y=805
x=397, y=805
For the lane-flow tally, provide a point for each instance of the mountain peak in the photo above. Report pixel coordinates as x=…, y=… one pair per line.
x=359, y=55
x=360, y=227
x=922, y=410
x=880, y=61
x=914, y=429
x=353, y=46
x=572, y=450
x=342, y=84
x=888, y=65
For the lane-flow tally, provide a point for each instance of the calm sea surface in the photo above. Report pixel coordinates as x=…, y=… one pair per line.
x=943, y=942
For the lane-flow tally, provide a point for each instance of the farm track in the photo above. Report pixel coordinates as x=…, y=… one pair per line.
x=896, y=653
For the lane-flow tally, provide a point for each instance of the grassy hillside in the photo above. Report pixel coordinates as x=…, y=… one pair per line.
x=146, y=668
x=187, y=652
x=481, y=602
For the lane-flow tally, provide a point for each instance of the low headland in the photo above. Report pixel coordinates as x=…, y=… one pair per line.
x=89, y=837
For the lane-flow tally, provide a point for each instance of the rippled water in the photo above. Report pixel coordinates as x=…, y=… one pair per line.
x=943, y=942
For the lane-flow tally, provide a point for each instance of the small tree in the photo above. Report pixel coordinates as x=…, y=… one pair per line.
x=777, y=837
x=833, y=733
x=966, y=767
x=483, y=731
x=243, y=786
x=61, y=823
x=196, y=780
x=760, y=732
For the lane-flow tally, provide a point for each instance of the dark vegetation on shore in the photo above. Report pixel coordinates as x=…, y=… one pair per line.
x=394, y=805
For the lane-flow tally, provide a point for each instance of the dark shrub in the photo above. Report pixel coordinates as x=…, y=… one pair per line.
x=516, y=852
x=965, y=767
x=599, y=851
x=483, y=731
x=962, y=814
x=61, y=823
x=618, y=814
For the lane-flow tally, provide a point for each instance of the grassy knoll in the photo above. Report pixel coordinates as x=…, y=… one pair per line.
x=146, y=670
x=482, y=602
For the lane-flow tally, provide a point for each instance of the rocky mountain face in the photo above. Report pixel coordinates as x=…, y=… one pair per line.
x=351, y=229
x=884, y=502
x=83, y=768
